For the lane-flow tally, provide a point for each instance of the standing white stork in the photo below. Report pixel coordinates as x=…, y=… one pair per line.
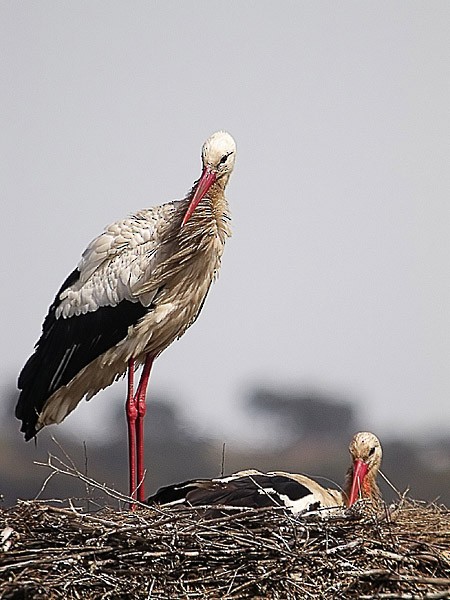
x=137, y=288
x=298, y=493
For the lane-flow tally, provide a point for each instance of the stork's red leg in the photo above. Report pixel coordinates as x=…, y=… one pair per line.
x=131, y=412
x=141, y=410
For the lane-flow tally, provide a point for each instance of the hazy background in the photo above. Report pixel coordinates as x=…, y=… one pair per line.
x=337, y=277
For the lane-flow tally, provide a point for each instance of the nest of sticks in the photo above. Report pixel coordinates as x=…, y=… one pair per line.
x=50, y=549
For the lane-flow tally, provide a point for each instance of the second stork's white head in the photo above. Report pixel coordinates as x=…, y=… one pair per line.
x=218, y=156
x=366, y=453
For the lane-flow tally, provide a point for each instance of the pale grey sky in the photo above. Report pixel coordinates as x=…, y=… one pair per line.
x=338, y=272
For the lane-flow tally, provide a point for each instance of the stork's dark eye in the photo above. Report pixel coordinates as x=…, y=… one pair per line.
x=223, y=160
x=372, y=451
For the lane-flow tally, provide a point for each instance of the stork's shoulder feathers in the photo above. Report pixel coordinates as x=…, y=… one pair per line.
x=114, y=263
x=140, y=233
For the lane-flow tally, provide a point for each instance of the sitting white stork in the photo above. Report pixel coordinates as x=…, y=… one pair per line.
x=298, y=493
x=137, y=288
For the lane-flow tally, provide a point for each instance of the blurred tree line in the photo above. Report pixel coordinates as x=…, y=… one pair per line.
x=313, y=431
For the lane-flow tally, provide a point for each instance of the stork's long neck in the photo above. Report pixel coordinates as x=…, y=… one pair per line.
x=211, y=217
x=369, y=487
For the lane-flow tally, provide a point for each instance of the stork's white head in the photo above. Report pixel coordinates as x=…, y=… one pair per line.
x=366, y=446
x=218, y=156
x=219, y=153
x=366, y=453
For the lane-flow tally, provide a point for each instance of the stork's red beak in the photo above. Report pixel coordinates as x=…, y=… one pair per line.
x=204, y=183
x=359, y=472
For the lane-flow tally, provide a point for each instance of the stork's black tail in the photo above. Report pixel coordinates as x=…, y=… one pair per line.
x=66, y=346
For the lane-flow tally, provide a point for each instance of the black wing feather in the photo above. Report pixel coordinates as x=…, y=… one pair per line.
x=251, y=491
x=66, y=346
